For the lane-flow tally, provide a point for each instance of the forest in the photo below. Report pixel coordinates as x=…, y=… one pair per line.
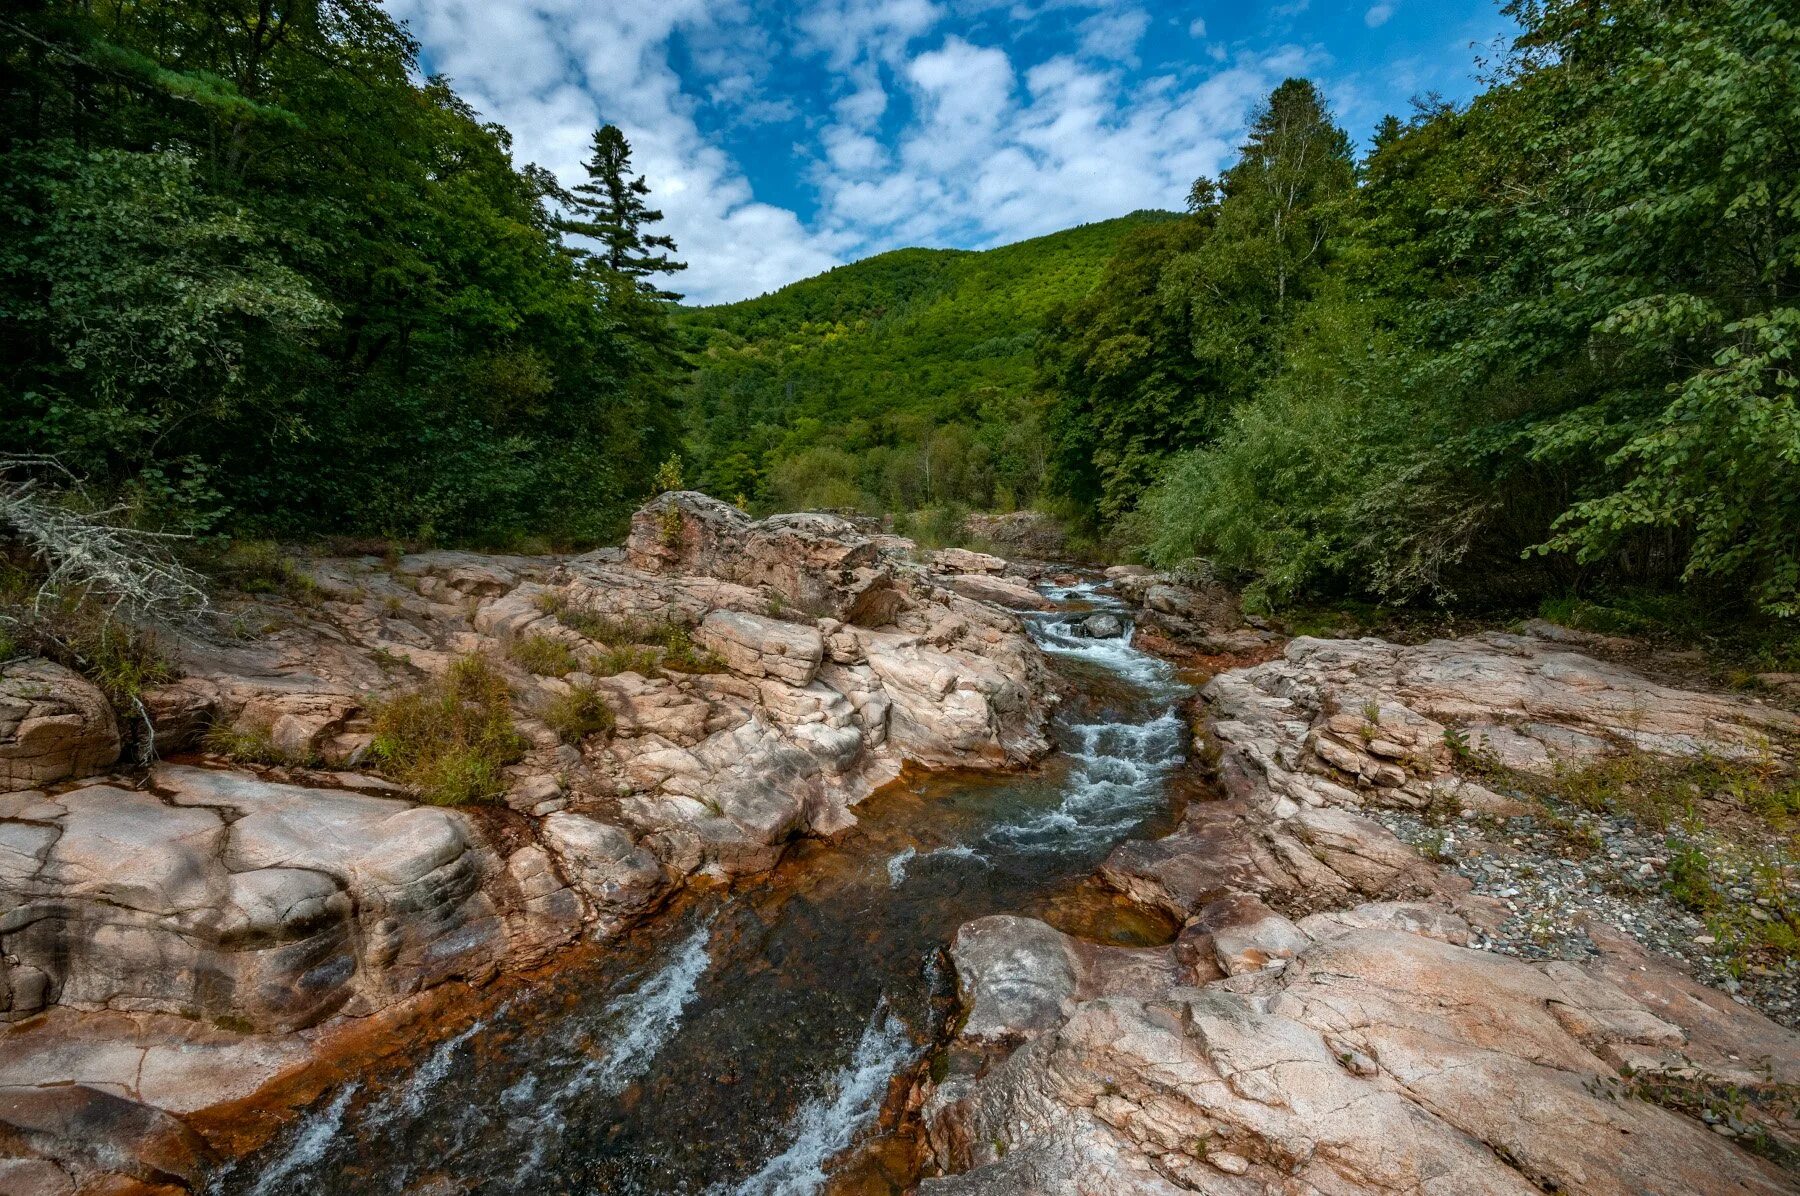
x=259, y=277
x=1539, y=344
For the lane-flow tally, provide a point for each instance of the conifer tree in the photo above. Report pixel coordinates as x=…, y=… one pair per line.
x=611, y=207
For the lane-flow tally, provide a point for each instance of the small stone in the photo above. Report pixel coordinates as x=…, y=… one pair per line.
x=1230, y=1164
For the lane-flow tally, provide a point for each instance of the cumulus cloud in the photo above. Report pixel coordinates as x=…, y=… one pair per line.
x=913, y=123
x=1378, y=16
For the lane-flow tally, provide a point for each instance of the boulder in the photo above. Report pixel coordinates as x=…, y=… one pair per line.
x=1026, y=535
x=1374, y=1061
x=1102, y=626
x=1000, y=591
x=54, y=724
x=217, y=894
x=619, y=879
x=762, y=647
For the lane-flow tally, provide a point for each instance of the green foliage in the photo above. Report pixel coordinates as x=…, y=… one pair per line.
x=449, y=738
x=542, y=655
x=668, y=474
x=261, y=567
x=1186, y=322
x=253, y=744
x=634, y=644
x=257, y=275
x=1546, y=347
x=899, y=382
x=81, y=632
x=577, y=714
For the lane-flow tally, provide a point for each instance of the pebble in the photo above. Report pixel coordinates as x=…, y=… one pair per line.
x=1525, y=865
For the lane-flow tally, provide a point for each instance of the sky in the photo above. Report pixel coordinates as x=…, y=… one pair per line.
x=784, y=137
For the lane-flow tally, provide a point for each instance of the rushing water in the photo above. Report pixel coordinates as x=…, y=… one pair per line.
x=751, y=1044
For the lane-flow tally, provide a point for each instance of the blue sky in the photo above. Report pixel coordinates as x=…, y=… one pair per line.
x=785, y=138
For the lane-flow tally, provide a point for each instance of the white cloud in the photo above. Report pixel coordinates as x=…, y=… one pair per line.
x=1378, y=16
x=552, y=70
x=923, y=136
x=1197, y=28
x=1114, y=35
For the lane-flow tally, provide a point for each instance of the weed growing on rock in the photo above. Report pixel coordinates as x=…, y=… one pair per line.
x=250, y=745
x=542, y=655
x=260, y=567
x=637, y=645
x=577, y=714
x=682, y=655
x=449, y=739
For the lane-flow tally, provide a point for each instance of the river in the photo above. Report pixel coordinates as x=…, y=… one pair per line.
x=746, y=1044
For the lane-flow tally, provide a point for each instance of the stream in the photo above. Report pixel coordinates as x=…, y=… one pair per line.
x=748, y=1044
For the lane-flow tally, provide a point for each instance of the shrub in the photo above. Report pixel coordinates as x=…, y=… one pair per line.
x=260, y=567
x=682, y=655
x=450, y=738
x=577, y=714
x=249, y=745
x=542, y=655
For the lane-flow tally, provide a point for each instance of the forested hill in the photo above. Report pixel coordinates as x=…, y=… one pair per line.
x=901, y=381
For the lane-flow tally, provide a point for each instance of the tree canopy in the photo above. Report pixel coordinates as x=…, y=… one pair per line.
x=256, y=275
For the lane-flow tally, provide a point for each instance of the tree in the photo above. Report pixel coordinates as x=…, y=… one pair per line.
x=1189, y=319
x=611, y=208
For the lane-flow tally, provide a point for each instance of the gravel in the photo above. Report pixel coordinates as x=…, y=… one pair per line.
x=1529, y=866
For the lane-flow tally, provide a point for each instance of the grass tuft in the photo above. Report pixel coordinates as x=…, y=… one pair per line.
x=577, y=714
x=542, y=655
x=450, y=738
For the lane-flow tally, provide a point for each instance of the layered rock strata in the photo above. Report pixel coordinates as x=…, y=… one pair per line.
x=1320, y=1024
x=272, y=898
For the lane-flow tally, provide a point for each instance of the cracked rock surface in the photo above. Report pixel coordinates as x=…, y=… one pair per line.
x=269, y=899
x=1320, y=1024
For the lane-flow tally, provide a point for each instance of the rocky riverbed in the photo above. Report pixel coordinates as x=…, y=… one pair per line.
x=1339, y=1013
x=700, y=950
x=180, y=928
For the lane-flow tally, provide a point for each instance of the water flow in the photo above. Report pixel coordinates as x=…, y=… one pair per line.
x=751, y=1052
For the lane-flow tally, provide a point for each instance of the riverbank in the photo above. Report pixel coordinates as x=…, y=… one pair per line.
x=1342, y=1011
x=188, y=935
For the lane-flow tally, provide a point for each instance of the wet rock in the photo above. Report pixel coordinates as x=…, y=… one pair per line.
x=224, y=895
x=53, y=724
x=1102, y=626
x=618, y=878
x=1013, y=975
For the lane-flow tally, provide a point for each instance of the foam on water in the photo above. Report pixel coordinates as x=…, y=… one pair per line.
x=308, y=1146
x=828, y=1124
x=643, y=1019
x=1120, y=767
x=900, y=861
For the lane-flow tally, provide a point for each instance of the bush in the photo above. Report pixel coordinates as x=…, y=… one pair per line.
x=577, y=714
x=682, y=655
x=542, y=655
x=249, y=745
x=260, y=567
x=449, y=739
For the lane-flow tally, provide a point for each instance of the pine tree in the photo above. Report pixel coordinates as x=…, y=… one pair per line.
x=611, y=207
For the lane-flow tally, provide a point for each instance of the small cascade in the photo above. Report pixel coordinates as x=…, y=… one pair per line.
x=829, y=1123
x=754, y=1049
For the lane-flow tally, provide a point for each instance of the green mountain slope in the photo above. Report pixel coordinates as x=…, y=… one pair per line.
x=899, y=382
